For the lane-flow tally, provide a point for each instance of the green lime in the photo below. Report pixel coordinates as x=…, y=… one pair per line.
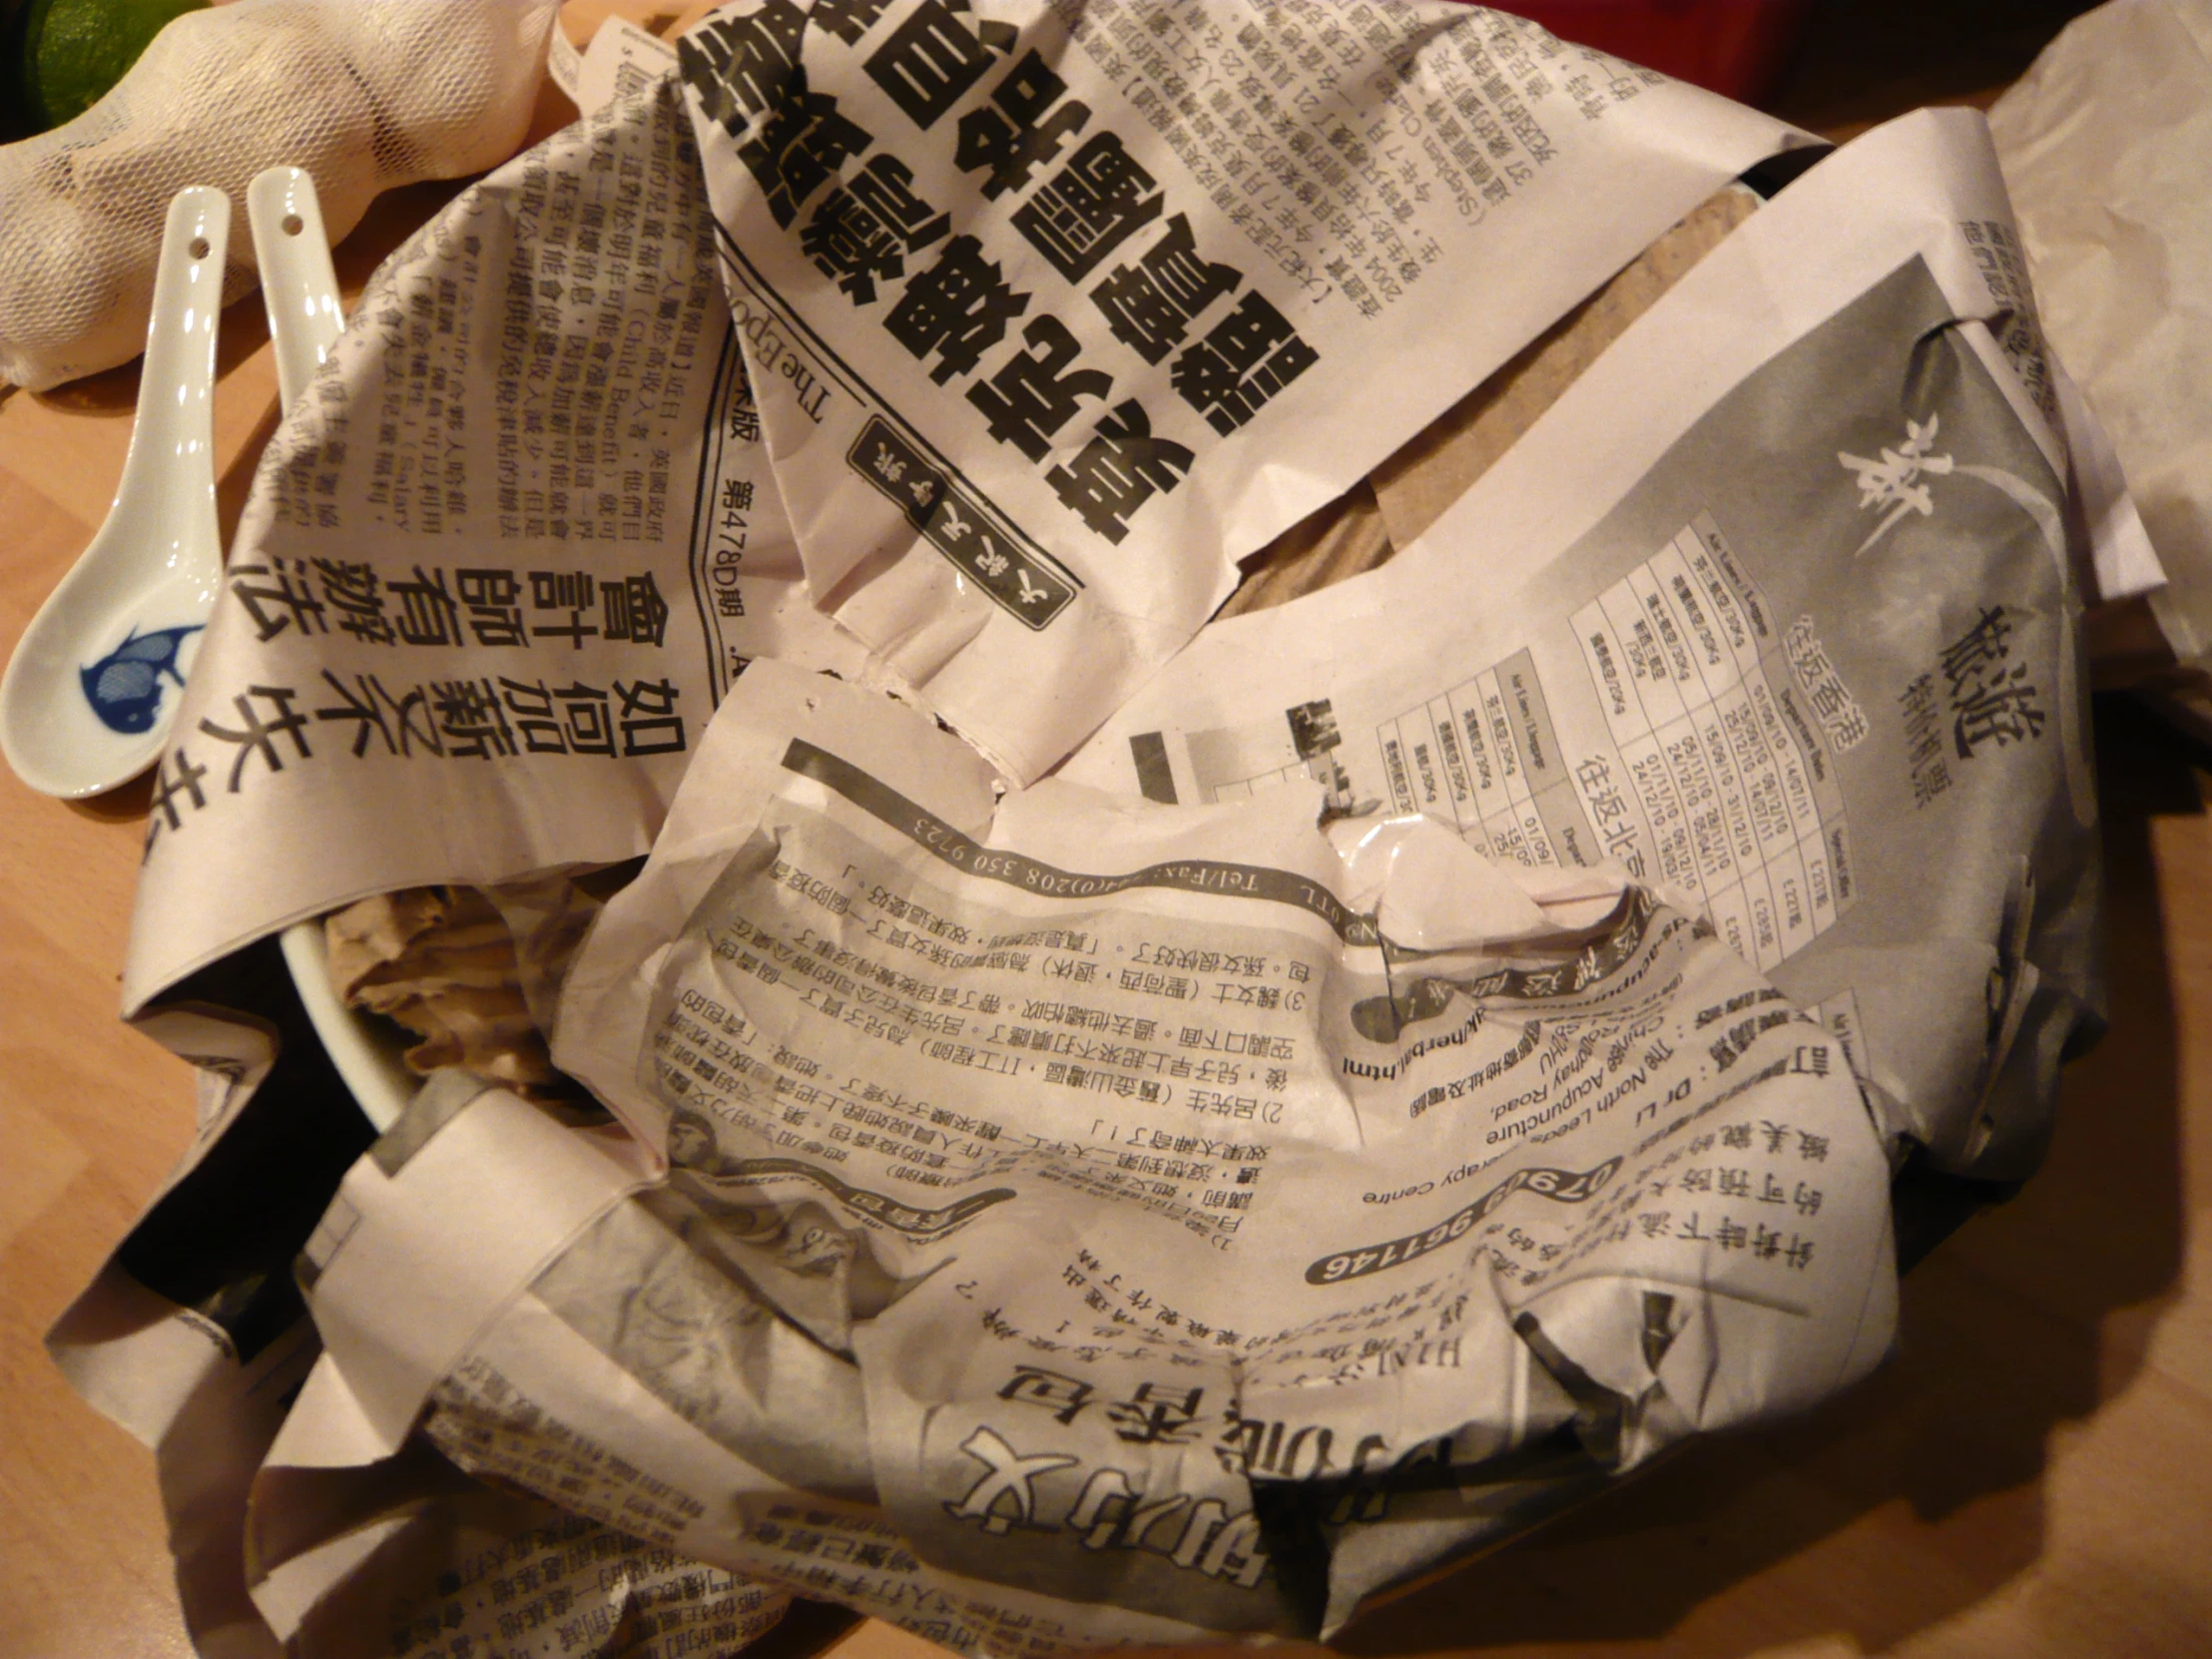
x=15, y=114
x=75, y=50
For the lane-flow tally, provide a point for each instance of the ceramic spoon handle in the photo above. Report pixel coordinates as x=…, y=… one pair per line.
x=170, y=467
x=298, y=283
x=300, y=289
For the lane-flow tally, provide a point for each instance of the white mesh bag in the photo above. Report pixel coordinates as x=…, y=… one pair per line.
x=363, y=94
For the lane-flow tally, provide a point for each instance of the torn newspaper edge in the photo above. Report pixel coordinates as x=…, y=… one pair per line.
x=1779, y=607
x=193, y=1338
x=621, y=62
x=1057, y=311
x=359, y=1534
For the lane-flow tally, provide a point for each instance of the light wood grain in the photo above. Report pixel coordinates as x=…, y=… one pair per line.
x=93, y=1116
x=90, y=1116
x=2032, y=1476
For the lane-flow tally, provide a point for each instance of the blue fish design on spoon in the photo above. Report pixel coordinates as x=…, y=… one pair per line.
x=125, y=687
x=155, y=560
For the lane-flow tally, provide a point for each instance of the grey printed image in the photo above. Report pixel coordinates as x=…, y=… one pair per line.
x=808, y=1263
x=723, y=1304
x=1893, y=565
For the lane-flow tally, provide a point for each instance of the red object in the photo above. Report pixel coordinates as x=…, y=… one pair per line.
x=1733, y=47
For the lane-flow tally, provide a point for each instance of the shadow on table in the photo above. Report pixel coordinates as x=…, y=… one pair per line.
x=2004, y=1339
x=1859, y=62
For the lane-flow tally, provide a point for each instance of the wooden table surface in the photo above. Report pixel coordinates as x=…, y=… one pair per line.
x=2030, y=1476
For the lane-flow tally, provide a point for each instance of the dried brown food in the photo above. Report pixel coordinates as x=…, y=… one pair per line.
x=441, y=962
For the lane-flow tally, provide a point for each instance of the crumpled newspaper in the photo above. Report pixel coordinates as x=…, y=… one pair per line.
x=2102, y=144
x=1552, y=1250
x=363, y=94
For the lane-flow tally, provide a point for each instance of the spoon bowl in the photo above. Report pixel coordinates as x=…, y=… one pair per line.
x=93, y=686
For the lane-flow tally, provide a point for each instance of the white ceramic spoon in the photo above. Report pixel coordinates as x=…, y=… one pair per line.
x=94, y=683
x=300, y=289
x=298, y=284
